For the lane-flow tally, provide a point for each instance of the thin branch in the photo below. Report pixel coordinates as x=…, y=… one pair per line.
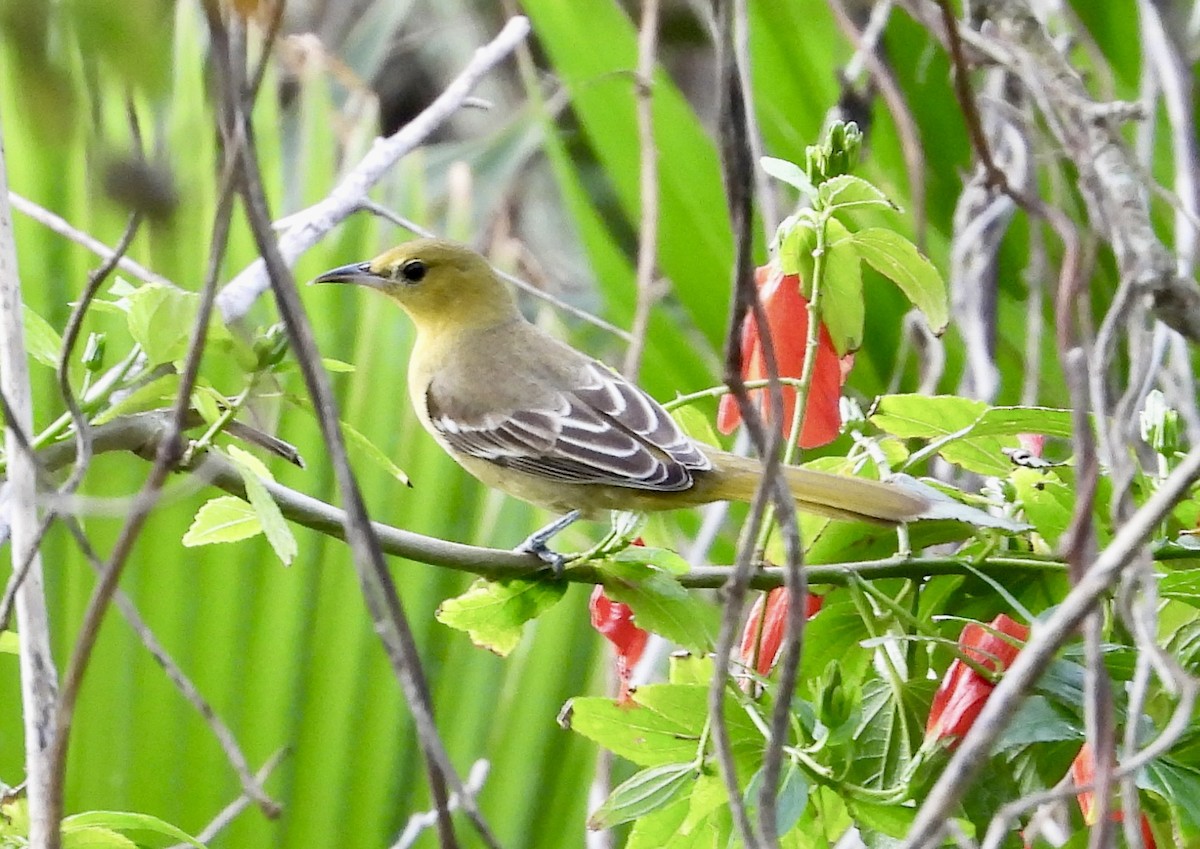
x=63, y=228
x=311, y=225
x=649, y=289
x=35, y=658
x=230, y=812
x=141, y=434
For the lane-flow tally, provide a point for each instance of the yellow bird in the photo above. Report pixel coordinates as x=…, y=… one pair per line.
x=533, y=417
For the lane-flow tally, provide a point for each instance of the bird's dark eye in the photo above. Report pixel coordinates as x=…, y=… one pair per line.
x=413, y=271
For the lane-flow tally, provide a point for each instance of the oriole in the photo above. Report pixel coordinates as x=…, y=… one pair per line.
x=533, y=417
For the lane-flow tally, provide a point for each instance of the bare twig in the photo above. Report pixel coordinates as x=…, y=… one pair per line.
x=311, y=225
x=648, y=288
x=417, y=823
x=63, y=228
x=35, y=658
x=230, y=812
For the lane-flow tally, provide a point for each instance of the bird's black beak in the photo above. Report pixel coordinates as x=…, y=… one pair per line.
x=355, y=272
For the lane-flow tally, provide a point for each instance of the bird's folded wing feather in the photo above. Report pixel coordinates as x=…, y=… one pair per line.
x=602, y=430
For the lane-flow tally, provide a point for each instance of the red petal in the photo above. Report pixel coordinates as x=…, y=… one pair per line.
x=963, y=691
x=1083, y=771
x=774, y=625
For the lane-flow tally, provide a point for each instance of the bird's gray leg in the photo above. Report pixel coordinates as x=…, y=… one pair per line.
x=535, y=543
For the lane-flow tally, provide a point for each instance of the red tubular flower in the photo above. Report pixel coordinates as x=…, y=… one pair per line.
x=614, y=620
x=963, y=691
x=769, y=637
x=1083, y=771
x=787, y=316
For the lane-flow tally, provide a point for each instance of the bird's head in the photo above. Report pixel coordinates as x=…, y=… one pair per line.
x=434, y=280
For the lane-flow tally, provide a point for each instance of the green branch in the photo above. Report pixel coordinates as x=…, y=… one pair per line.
x=141, y=434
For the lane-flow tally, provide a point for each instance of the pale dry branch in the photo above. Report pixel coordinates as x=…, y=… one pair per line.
x=308, y=227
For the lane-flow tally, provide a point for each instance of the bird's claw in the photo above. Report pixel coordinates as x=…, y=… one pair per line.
x=536, y=543
x=543, y=552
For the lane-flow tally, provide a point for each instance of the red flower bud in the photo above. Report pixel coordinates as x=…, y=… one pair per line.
x=614, y=620
x=1083, y=771
x=963, y=691
x=771, y=610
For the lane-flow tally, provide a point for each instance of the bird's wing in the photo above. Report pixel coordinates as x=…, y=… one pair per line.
x=601, y=430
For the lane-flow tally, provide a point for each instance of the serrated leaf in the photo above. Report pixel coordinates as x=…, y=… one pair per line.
x=160, y=320
x=10, y=643
x=1009, y=421
x=42, y=341
x=846, y=191
x=223, y=519
x=660, y=603
x=126, y=821
x=1178, y=784
x=950, y=419
x=642, y=793
x=842, y=307
x=898, y=259
x=274, y=526
x=890, y=820
x=493, y=613
x=790, y=173
x=891, y=730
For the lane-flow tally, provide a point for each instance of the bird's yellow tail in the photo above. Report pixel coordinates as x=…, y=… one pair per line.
x=838, y=496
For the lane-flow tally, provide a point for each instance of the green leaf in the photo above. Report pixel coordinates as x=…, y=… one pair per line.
x=842, y=305
x=207, y=402
x=372, y=451
x=897, y=259
x=643, y=793
x=1009, y=421
x=41, y=340
x=846, y=191
x=948, y=419
x=336, y=366
x=155, y=395
x=790, y=799
x=660, y=603
x=1049, y=503
x=660, y=558
x=796, y=252
x=160, y=320
x=10, y=643
x=664, y=724
x=1179, y=785
x=790, y=173
x=493, y=613
x=93, y=837
x=891, y=820
x=274, y=526
x=696, y=425
x=1038, y=721
x=127, y=821
x=891, y=730
x=1182, y=586
x=223, y=519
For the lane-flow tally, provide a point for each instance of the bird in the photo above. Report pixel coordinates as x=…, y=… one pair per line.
x=527, y=414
